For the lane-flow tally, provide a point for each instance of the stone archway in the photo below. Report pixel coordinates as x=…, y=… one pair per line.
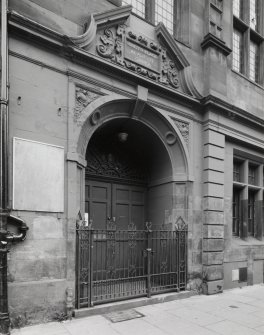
x=126, y=184
x=170, y=161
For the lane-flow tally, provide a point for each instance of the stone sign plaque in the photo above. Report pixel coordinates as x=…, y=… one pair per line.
x=139, y=54
x=38, y=176
x=142, y=56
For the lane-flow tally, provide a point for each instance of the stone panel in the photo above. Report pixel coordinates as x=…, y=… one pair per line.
x=213, y=190
x=211, y=150
x=213, y=258
x=212, y=203
x=214, y=164
x=214, y=287
x=213, y=218
x=214, y=272
x=41, y=300
x=213, y=244
x=213, y=231
x=215, y=138
x=212, y=176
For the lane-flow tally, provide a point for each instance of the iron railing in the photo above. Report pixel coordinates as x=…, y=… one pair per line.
x=116, y=264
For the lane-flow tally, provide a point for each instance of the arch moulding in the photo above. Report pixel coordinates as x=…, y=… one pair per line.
x=107, y=108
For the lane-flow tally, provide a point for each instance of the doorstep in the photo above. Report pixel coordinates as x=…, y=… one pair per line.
x=133, y=303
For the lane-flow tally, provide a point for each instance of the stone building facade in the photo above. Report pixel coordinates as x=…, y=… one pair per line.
x=185, y=87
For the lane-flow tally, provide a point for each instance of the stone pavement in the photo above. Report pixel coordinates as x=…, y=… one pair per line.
x=237, y=311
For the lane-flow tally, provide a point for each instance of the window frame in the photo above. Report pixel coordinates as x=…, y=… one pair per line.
x=181, y=18
x=250, y=35
x=251, y=210
x=236, y=211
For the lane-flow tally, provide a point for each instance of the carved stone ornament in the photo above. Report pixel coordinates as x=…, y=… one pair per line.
x=180, y=224
x=138, y=54
x=83, y=98
x=113, y=165
x=184, y=130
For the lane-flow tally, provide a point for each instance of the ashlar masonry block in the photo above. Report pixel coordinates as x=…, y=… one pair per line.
x=213, y=287
x=213, y=218
x=213, y=231
x=211, y=203
x=212, y=176
x=213, y=272
x=213, y=190
x=213, y=258
x=213, y=244
x=211, y=163
x=211, y=150
x=215, y=138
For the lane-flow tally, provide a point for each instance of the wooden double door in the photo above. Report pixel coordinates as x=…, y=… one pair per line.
x=114, y=202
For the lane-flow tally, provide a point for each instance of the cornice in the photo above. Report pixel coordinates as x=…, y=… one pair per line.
x=232, y=111
x=234, y=134
x=33, y=28
x=33, y=31
x=211, y=40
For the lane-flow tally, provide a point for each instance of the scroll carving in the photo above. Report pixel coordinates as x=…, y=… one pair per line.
x=138, y=54
x=170, y=74
x=184, y=130
x=83, y=98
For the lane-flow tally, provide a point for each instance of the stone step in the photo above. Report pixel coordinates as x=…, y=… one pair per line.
x=132, y=303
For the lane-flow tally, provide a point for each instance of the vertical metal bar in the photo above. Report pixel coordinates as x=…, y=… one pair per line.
x=178, y=258
x=77, y=269
x=91, y=244
x=148, y=264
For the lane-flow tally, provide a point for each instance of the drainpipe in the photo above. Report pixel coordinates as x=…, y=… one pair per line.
x=5, y=217
x=4, y=315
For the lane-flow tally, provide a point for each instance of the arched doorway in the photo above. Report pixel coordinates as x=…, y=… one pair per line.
x=123, y=157
x=131, y=248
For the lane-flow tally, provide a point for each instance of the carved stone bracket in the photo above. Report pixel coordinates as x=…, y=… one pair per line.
x=184, y=130
x=83, y=97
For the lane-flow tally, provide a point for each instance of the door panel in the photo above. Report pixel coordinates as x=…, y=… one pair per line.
x=128, y=205
x=98, y=202
x=124, y=203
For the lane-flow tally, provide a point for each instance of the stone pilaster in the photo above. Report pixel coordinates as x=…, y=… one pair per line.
x=213, y=207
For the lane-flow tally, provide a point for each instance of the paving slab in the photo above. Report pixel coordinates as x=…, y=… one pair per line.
x=237, y=311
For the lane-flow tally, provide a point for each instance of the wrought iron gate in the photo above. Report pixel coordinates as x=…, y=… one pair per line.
x=116, y=264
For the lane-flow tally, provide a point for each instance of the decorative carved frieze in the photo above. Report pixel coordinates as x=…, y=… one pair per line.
x=83, y=97
x=138, y=54
x=184, y=130
x=113, y=165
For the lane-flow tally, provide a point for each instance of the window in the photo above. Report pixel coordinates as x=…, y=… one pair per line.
x=155, y=11
x=248, y=194
x=138, y=6
x=236, y=211
x=252, y=174
x=237, y=8
x=237, y=171
x=253, y=14
x=251, y=213
x=164, y=12
x=253, y=61
x=248, y=36
x=237, y=51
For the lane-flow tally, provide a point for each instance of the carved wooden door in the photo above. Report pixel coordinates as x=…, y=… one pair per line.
x=122, y=204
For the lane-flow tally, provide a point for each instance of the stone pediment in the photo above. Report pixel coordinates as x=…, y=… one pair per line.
x=111, y=37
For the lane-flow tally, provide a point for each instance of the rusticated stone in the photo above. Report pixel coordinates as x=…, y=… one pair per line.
x=213, y=287
x=213, y=272
x=213, y=231
x=213, y=258
x=212, y=217
x=213, y=244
